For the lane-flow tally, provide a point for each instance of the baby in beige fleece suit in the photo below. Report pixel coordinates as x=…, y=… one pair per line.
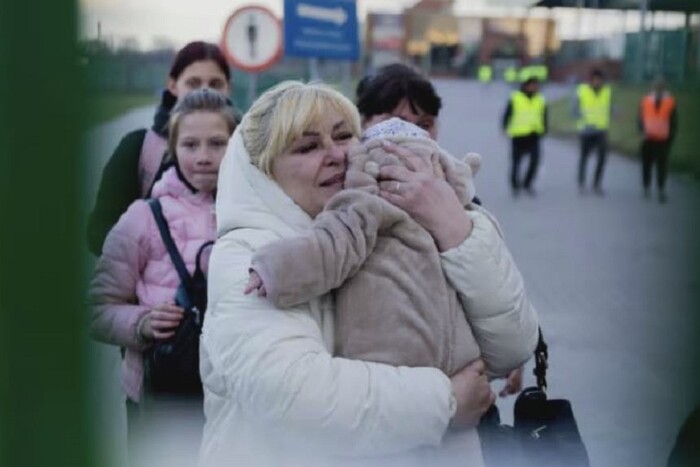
x=393, y=302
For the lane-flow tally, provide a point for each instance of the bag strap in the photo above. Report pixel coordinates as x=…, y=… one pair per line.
x=165, y=165
x=541, y=362
x=175, y=256
x=198, y=267
x=153, y=151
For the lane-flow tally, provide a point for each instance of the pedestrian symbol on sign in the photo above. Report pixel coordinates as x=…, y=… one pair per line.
x=252, y=35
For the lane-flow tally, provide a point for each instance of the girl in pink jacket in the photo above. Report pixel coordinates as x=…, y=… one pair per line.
x=133, y=289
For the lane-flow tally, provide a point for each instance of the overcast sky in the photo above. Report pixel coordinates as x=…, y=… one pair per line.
x=180, y=21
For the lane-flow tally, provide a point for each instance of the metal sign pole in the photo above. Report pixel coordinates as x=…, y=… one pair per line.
x=252, y=88
x=313, y=69
x=346, y=78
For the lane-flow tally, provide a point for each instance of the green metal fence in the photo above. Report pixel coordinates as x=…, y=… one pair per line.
x=146, y=72
x=667, y=54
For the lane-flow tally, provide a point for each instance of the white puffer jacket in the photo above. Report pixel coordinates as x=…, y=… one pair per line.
x=274, y=394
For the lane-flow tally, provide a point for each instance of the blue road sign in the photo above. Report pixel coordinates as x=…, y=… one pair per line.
x=321, y=28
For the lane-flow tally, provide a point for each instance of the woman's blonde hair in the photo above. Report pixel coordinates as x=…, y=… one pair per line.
x=284, y=112
x=200, y=100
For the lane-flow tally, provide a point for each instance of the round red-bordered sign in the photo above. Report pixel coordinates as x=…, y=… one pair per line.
x=252, y=39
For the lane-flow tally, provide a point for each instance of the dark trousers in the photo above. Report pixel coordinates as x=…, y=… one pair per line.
x=654, y=152
x=590, y=142
x=521, y=147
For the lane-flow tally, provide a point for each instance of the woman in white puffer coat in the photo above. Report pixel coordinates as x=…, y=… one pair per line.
x=274, y=393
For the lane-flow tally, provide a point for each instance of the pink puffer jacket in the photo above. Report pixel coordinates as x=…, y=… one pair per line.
x=135, y=272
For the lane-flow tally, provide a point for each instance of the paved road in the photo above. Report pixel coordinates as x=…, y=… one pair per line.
x=612, y=278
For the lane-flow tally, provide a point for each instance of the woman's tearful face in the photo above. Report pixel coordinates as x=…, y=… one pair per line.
x=312, y=169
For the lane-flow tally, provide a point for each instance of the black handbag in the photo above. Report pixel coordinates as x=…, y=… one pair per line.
x=544, y=431
x=172, y=365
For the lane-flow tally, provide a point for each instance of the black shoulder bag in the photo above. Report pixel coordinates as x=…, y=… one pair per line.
x=173, y=364
x=544, y=431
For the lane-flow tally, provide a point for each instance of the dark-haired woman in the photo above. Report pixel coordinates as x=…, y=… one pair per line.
x=133, y=167
x=400, y=91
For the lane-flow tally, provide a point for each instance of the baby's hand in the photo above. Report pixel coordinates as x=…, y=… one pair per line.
x=255, y=283
x=514, y=383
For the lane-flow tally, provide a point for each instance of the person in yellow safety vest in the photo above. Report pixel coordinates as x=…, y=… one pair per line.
x=592, y=108
x=510, y=75
x=658, y=122
x=485, y=74
x=525, y=122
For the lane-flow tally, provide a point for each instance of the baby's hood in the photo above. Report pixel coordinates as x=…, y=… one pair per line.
x=366, y=159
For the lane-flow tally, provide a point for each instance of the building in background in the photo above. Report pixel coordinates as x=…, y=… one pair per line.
x=385, y=40
x=430, y=37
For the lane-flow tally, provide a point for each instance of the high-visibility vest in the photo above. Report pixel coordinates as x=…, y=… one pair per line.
x=657, y=121
x=594, y=107
x=540, y=72
x=485, y=73
x=526, y=73
x=510, y=75
x=527, y=115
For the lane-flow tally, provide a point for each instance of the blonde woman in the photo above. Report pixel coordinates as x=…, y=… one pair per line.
x=274, y=392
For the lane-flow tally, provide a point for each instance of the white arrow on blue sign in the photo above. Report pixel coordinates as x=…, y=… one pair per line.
x=321, y=28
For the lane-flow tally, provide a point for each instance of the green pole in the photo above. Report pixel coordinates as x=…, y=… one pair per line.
x=43, y=380
x=687, y=59
x=697, y=49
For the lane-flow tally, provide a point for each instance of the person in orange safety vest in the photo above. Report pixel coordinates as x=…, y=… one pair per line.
x=658, y=122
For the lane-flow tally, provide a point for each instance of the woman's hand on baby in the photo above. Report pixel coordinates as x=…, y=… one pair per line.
x=420, y=189
x=514, y=383
x=472, y=391
x=161, y=321
x=255, y=283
